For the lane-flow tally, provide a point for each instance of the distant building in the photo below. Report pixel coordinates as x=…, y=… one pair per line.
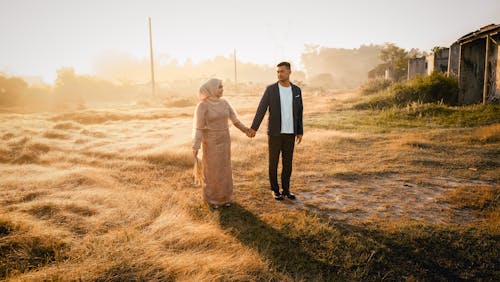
x=478, y=65
x=375, y=73
x=383, y=72
x=389, y=74
x=417, y=67
x=438, y=60
x=453, y=59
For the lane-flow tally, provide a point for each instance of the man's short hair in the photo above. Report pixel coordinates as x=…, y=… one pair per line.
x=286, y=64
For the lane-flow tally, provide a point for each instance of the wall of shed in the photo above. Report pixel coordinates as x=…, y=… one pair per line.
x=453, y=59
x=494, y=69
x=416, y=67
x=471, y=75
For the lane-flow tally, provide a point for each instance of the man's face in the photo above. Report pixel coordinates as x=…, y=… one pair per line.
x=283, y=73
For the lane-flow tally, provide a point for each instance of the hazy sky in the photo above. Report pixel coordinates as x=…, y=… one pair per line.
x=40, y=36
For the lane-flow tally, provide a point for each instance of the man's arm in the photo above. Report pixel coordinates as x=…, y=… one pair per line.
x=300, y=127
x=261, y=111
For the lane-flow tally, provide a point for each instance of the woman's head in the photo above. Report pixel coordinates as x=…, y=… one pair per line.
x=211, y=89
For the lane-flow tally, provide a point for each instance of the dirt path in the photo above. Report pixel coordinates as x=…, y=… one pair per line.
x=387, y=198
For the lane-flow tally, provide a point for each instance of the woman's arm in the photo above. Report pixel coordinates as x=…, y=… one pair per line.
x=199, y=123
x=234, y=119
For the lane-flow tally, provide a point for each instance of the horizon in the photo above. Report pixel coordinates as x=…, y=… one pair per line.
x=59, y=34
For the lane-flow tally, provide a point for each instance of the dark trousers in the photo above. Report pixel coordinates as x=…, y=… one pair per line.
x=283, y=144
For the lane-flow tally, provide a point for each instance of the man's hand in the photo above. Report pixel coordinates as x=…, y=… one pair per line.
x=299, y=139
x=251, y=133
x=195, y=153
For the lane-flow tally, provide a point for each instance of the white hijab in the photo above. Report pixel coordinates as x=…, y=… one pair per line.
x=209, y=90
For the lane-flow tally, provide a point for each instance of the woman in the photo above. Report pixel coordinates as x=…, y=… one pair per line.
x=211, y=132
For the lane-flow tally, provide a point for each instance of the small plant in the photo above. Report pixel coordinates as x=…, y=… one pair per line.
x=436, y=88
x=375, y=85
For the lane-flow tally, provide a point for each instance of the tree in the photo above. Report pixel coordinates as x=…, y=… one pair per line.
x=396, y=59
x=347, y=67
x=378, y=71
x=67, y=88
x=415, y=52
x=11, y=90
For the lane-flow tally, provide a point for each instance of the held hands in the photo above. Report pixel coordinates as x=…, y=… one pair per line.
x=195, y=153
x=251, y=133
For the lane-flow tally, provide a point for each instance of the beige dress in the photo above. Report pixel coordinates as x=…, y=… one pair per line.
x=212, y=133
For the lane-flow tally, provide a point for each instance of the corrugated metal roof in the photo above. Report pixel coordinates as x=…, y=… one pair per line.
x=480, y=33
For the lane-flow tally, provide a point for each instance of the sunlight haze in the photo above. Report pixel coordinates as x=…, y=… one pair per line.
x=39, y=37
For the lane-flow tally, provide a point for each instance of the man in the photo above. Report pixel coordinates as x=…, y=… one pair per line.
x=284, y=101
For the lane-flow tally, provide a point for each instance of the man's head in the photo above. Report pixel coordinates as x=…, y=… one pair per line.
x=283, y=71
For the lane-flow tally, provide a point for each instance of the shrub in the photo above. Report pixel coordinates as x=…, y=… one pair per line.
x=427, y=89
x=436, y=88
x=375, y=85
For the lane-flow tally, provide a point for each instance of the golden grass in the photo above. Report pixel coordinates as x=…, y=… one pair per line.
x=482, y=200
x=109, y=195
x=22, y=151
x=181, y=102
x=490, y=133
x=66, y=125
x=474, y=197
x=22, y=251
x=113, y=209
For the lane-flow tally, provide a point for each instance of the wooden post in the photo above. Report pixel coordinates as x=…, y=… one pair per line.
x=408, y=70
x=235, y=73
x=449, y=62
x=153, y=88
x=459, y=75
x=486, y=71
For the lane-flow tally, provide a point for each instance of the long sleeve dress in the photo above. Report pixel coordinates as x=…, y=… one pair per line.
x=211, y=131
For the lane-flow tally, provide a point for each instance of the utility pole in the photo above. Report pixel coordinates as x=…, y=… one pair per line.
x=235, y=73
x=153, y=88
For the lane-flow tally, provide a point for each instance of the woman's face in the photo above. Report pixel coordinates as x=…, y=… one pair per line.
x=220, y=90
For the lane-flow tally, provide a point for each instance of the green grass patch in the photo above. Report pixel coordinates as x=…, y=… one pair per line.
x=414, y=115
x=435, y=88
x=376, y=85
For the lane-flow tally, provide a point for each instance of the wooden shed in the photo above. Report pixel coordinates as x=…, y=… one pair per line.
x=479, y=66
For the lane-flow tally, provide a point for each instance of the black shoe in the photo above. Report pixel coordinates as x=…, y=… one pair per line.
x=277, y=196
x=289, y=195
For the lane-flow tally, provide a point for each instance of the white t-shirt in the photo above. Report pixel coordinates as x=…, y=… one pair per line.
x=286, y=101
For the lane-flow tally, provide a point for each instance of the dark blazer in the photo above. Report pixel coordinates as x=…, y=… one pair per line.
x=271, y=100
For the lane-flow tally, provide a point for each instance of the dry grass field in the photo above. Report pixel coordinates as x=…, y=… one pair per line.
x=107, y=194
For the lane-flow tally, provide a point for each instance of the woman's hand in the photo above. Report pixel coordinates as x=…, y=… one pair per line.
x=251, y=133
x=195, y=153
